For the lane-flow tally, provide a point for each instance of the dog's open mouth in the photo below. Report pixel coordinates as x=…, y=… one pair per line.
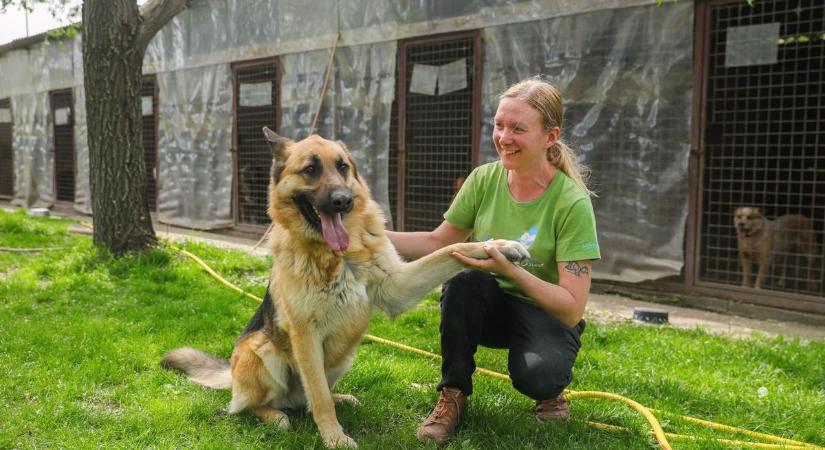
x=331, y=226
x=743, y=232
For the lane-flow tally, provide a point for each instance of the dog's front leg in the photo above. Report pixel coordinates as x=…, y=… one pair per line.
x=402, y=285
x=745, y=262
x=309, y=356
x=762, y=271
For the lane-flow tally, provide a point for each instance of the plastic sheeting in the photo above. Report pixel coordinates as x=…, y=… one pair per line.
x=626, y=78
x=365, y=21
x=195, y=85
x=28, y=77
x=33, y=151
x=224, y=31
x=195, y=147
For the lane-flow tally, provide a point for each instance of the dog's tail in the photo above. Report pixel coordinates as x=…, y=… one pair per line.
x=200, y=367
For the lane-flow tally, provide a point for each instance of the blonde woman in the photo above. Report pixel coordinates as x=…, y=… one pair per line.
x=535, y=193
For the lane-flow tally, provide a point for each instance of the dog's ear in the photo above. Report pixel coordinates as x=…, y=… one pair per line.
x=279, y=146
x=350, y=160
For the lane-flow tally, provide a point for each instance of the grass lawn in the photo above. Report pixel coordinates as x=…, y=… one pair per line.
x=81, y=335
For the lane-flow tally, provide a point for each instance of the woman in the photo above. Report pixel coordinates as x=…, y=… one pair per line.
x=534, y=193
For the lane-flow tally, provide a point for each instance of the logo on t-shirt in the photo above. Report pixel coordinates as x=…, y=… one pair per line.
x=528, y=237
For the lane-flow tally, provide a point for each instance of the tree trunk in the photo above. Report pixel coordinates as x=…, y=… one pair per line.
x=115, y=36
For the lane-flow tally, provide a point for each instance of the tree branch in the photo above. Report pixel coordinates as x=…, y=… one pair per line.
x=156, y=14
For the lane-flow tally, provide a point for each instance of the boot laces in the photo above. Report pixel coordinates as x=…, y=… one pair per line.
x=447, y=405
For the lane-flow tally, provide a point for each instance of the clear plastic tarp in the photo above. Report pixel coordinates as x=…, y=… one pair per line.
x=626, y=79
x=27, y=77
x=195, y=147
x=33, y=155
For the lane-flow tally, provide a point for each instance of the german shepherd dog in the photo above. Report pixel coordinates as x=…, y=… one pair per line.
x=332, y=263
x=770, y=242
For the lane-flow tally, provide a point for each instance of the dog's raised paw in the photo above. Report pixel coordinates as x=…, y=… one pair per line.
x=512, y=250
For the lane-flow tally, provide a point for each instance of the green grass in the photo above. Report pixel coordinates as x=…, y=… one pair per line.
x=81, y=335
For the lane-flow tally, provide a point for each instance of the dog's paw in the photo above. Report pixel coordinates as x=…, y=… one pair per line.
x=281, y=423
x=345, y=398
x=512, y=250
x=338, y=439
x=272, y=416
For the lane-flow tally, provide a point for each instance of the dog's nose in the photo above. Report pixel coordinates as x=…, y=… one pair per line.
x=341, y=201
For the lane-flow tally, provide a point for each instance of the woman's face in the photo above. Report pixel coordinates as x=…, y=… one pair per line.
x=519, y=136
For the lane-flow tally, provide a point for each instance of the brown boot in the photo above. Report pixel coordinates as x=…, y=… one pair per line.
x=553, y=409
x=439, y=426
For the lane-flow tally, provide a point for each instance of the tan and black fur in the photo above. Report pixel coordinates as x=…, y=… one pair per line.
x=332, y=263
x=769, y=242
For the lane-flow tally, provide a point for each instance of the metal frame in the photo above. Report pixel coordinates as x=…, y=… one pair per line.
x=11, y=148
x=54, y=146
x=156, y=114
x=235, y=67
x=694, y=236
x=401, y=88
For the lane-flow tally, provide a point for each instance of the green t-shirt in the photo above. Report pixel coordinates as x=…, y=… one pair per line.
x=556, y=227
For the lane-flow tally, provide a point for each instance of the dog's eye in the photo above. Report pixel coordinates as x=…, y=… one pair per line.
x=343, y=167
x=310, y=170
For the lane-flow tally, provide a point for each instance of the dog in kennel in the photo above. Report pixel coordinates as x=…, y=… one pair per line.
x=770, y=244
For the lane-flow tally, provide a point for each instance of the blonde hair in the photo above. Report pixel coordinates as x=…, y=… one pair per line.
x=546, y=99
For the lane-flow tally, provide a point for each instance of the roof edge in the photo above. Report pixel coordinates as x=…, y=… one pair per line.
x=30, y=41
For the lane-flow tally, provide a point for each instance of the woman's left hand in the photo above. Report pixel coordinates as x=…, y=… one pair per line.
x=496, y=263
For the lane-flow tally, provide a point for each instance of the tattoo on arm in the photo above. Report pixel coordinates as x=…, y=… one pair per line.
x=576, y=269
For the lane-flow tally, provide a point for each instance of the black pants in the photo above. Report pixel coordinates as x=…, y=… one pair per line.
x=474, y=310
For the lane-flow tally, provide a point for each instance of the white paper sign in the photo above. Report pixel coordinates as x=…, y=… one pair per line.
x=424, y=79
x=5, y=115
x=146, y=105
x=255, y=94
x=752, y=45
x=452, y=76
x=61, y=116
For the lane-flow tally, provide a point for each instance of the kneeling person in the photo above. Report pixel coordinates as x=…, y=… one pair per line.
x=534, y=194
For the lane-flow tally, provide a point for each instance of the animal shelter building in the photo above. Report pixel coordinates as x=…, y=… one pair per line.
x=683, y=111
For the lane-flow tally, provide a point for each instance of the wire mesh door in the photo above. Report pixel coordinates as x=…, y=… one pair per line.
x=149, y=106
x=436, y=127
x=764, y=140
x=64, y=164
x=256, y=103
x=6, y=155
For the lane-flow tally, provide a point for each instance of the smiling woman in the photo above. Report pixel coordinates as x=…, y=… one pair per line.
x=535, y=194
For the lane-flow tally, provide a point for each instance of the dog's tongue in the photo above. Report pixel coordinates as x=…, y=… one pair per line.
x=334, y=232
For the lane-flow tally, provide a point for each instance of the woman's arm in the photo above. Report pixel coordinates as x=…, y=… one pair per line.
x=565, y=301
x=415, y=244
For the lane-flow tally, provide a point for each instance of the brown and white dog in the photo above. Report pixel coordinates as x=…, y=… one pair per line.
x=768, y=243
x=332, y=263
